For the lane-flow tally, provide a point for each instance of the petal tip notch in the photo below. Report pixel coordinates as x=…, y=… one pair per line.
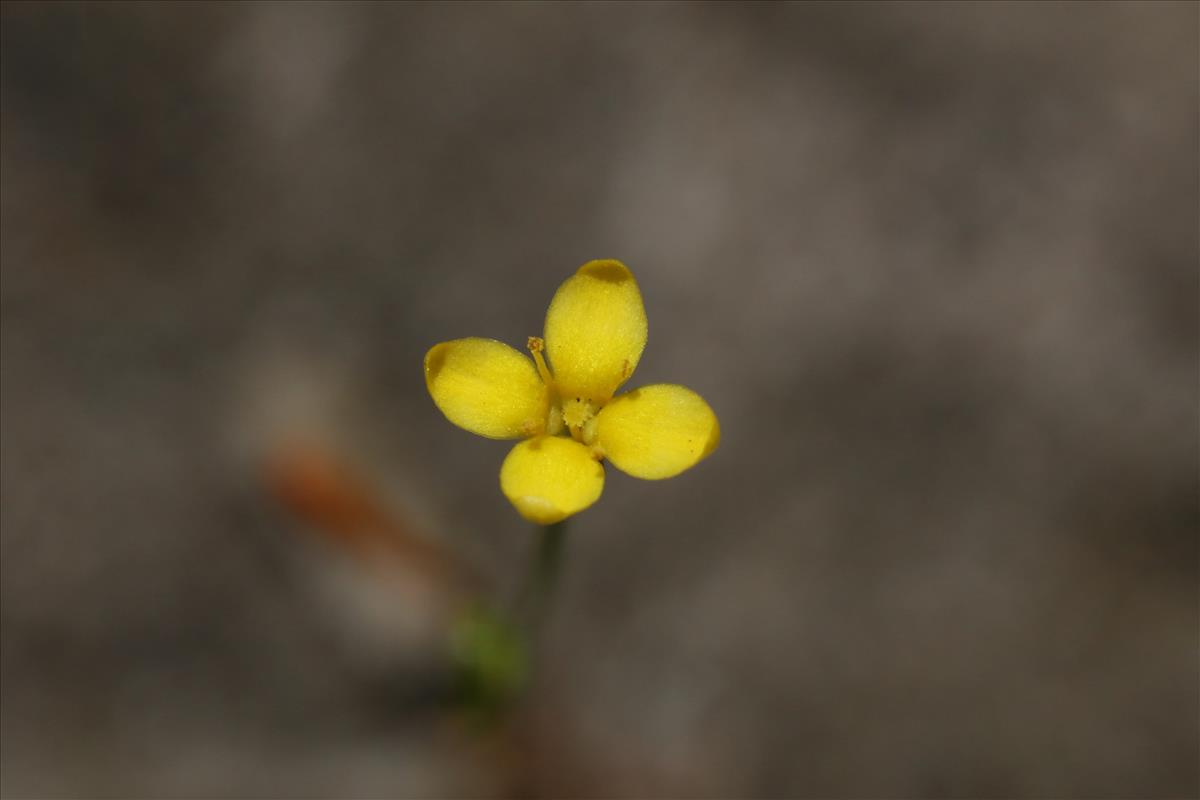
x=606, y=269
x=435, y=359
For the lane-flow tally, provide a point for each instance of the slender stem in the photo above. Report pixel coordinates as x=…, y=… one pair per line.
x=534, y=600
x=494, y=649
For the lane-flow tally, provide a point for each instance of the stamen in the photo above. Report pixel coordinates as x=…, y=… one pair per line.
x=588, y=431
x=536, y=345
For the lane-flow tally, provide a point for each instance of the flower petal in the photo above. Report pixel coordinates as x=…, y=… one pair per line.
x=550, y=478
x=595, y=330
x=657, y=431
x=486, y=387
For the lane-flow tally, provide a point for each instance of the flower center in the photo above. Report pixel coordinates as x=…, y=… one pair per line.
x=577, y=414
x=577, y=411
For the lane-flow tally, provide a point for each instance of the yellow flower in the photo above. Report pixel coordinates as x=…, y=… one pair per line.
x=595, y=333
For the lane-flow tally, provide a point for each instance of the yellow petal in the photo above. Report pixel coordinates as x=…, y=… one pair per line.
x=486, y=387
x=595, y=330
x=550, y=478
x=657, y=431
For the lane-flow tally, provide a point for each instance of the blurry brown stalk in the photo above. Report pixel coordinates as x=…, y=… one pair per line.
x=322, y=489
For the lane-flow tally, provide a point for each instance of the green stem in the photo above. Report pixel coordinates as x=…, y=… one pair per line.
x=493, y=649
x=534, y=600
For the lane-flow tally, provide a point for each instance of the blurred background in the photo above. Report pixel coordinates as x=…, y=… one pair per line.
x=935, y=267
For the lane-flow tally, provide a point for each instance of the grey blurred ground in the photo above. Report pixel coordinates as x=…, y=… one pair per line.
x=935, y=266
